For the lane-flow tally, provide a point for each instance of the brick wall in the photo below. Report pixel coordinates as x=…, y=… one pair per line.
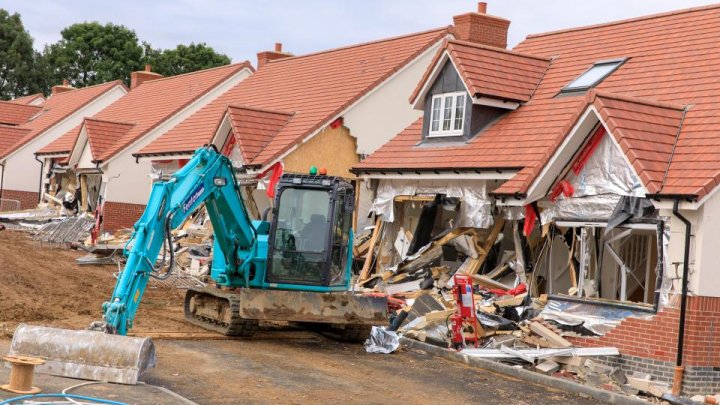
x=482, y=28
x=120, y=215
x=28, y=199
x=653, y=342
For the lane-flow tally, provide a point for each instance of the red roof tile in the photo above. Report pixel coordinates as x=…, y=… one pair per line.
x=316, y=87
x=10, y=135
x=254, y=128
x=147, y=106
x=58, y=107
x=672, y=60
x=28, y=99
x=16, y=114
x=103, y=135
x=491, y=72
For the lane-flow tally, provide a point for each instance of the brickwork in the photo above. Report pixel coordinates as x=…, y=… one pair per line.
x=120, y=215
x=650, y=345
x=482, y=28
x=28, y=199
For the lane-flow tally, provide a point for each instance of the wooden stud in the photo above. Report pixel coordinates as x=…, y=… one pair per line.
x=368, y=258
x=548, y=334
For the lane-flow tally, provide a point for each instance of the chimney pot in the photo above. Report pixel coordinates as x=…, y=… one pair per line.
x=266, y=56
x=142, y=76
x=60, y=88
x=482, y=28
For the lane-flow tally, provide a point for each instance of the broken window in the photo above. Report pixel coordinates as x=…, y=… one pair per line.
x=448, y=114
x=585, y=260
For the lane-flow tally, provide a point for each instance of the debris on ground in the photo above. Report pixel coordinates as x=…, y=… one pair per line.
x=382, y=340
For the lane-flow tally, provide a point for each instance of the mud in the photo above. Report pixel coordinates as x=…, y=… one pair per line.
x=42, y=285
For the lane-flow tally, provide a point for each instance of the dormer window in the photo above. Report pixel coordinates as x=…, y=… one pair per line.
x=593, y=76
x=447, y=114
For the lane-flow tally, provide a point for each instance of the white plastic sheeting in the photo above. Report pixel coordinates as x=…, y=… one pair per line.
x=475, y=207
x=605, y=177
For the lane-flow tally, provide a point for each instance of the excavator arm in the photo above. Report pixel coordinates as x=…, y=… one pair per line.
x=207, y=178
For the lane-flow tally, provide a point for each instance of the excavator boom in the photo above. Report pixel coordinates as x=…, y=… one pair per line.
x=296, y=268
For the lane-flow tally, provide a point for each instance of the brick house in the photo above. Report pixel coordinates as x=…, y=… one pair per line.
x=599, y=144
x=98, y=152
x=30, y=123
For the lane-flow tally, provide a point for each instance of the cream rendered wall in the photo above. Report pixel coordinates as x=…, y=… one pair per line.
x=385, y=112
x=22, y=171
x=129, y=182
x=705, y=246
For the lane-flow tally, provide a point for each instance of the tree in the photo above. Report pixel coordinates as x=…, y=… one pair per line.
x=184, y=59
x=90, y=53
x=17, y=63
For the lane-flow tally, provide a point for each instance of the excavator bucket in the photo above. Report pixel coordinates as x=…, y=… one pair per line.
x=85, y=354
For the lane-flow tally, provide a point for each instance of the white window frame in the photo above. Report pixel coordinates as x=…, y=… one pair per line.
x=450, y=132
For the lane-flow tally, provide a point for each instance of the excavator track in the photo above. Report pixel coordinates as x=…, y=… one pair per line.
x=217, y=310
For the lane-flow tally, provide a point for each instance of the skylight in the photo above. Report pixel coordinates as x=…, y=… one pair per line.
x=593, y=76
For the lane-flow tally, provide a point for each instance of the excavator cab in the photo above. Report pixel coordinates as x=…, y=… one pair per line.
x=310, y=236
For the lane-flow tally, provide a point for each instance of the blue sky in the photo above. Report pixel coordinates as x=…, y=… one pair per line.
x=241, y=28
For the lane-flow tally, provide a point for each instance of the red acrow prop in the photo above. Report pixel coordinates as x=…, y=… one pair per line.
x=464, y=312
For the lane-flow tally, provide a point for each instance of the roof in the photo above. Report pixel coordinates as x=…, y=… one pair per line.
x=316, y=87
x=16, y=114
x=9, y=135
x=254, y=128
x=102, y=135
x=30, y=99
x=491, y=72
x=58, y=107
x=671, y=63
x=144, y=108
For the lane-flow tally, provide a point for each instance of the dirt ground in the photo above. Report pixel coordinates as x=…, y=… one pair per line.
x=42, y=284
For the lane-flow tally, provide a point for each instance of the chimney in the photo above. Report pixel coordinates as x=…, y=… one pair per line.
x=61, y=88
x=266, y=56
x=142, y=76
x=482, y=28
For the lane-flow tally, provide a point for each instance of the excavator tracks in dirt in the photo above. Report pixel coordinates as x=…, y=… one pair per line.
x=217, y=310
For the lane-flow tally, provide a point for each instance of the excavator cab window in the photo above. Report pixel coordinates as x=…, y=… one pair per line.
x=341, y=236
x=300, y=238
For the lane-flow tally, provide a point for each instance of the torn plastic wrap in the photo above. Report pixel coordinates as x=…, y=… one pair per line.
x=597, y=188
x=475, y=207
x=382, y=340
x=598, y=319
x=162, y=170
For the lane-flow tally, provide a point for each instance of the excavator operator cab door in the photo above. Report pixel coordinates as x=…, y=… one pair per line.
x=310, y=231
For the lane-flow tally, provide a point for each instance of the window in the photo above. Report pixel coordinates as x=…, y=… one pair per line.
x=593, y=76
x=448, y=114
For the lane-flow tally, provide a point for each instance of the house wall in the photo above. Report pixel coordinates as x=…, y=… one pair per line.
x=705, y=270
x=333, y=149
x=127, y=182
x=22, y=171
x=385, y=112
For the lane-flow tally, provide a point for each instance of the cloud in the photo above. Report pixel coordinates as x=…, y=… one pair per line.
x=241, y=28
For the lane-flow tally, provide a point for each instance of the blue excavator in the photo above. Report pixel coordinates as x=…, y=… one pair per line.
x=295, y=267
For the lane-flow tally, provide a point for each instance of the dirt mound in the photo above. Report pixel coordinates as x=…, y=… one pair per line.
x=42, y=284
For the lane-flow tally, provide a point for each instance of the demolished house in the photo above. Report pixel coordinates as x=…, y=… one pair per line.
x=574, y=178
x=93, y=164
x=30, y=123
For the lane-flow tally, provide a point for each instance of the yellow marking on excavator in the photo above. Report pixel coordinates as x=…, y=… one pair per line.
x=137, y=295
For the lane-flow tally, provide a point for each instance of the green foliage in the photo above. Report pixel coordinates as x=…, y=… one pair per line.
x=90, y=53
x=17, y=58
x=184, y=59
